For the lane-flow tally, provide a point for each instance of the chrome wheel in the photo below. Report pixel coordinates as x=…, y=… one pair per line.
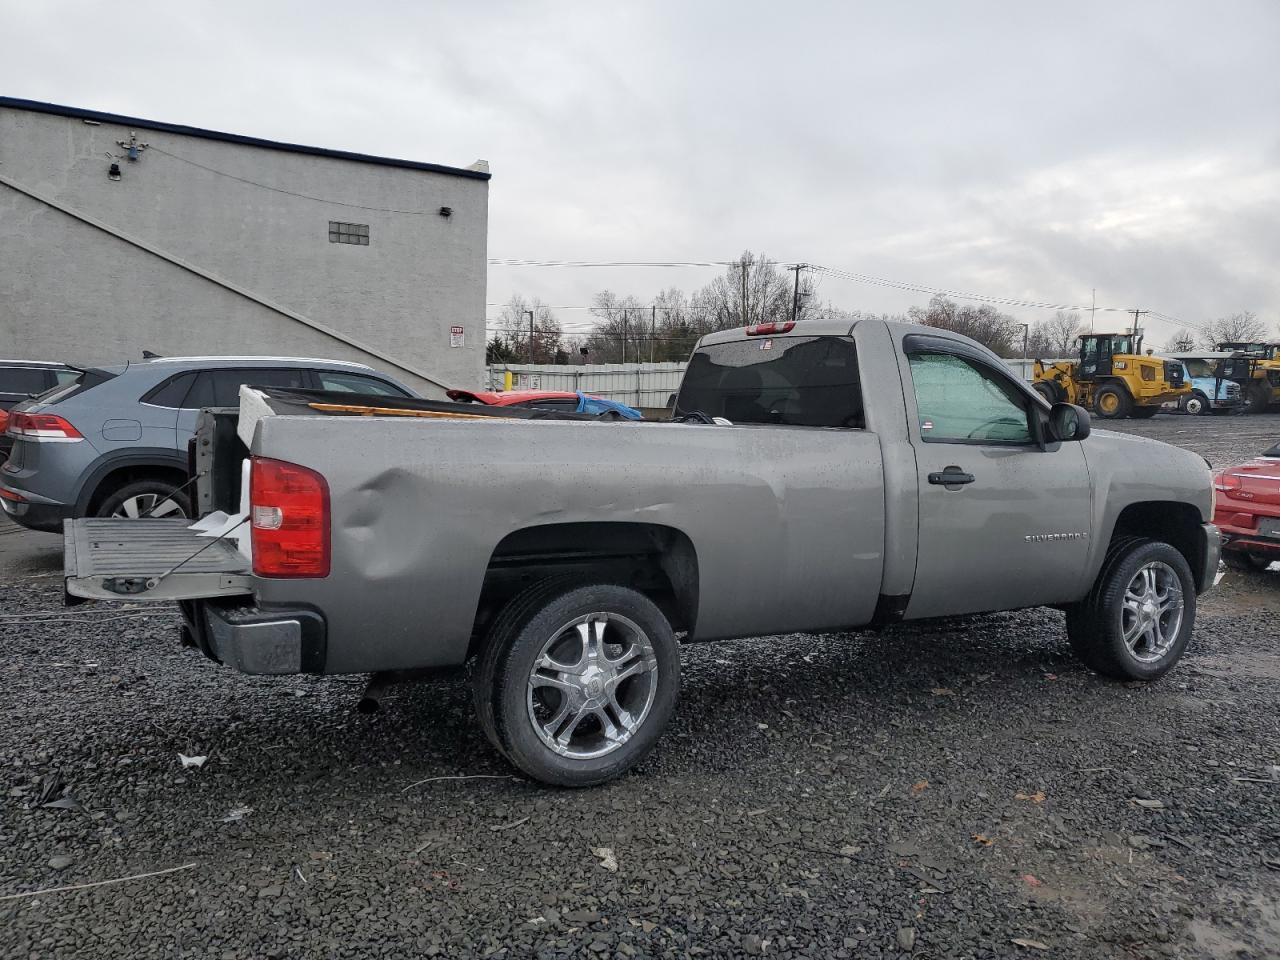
x=148, y=505
x=1151, y=612
x=592, y=685
x=1194, y=406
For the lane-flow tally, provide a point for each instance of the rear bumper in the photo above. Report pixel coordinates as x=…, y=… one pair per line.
x=256, y=640
x=34, y=513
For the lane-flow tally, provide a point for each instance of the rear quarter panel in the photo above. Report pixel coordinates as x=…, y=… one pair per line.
x=787, y=523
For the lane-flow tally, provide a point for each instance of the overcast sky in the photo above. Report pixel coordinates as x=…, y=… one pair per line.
x=1014, y=149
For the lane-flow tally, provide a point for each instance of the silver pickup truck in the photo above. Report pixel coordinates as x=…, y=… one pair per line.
x=818, y=476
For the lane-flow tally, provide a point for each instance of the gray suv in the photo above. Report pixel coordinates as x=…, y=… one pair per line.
x=112, y=442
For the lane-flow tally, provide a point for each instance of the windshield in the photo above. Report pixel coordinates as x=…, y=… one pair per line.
x=791, y=381
x=1200, y=368
x=1273, y=452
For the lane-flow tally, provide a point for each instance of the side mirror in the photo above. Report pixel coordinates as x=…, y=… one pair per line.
x=1068, y=422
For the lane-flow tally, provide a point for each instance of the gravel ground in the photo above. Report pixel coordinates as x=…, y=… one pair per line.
x=960, y=788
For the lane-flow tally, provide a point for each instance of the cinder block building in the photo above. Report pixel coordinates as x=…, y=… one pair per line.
x=119, y=235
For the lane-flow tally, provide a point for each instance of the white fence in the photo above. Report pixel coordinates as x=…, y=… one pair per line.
x=637, y=384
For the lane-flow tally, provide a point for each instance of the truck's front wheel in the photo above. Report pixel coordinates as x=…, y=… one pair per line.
x=1137, y=619
x=576, y=684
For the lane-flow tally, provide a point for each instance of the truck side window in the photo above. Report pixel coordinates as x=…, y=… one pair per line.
x=959, y=401
x=788, y=381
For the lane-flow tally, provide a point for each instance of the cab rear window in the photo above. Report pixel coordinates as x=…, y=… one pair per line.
x=788, y=381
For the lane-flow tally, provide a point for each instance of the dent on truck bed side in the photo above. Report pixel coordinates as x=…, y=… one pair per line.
x=787, y=523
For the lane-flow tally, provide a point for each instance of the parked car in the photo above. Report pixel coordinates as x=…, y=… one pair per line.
x=822, y=476
x=551, y=400
x=112, y=441
x=1248, y=508
x=1212, y=389
x=21, y=380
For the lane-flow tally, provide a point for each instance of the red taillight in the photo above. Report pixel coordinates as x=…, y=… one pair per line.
x=10, y=495
x=4, y=420
x=770, y=329
x=289, y=507
x=42, y=426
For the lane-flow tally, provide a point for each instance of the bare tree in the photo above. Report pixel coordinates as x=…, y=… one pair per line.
x=623, y=331
x=1244, y=327
x=533, y=339
x=996, y=331
x=1184, y=341
x=754, y=290
x=1055, y=337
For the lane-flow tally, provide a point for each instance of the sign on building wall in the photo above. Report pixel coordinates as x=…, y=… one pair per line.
x=457, y=337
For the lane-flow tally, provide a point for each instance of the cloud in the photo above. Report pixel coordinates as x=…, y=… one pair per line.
x=1013, y=149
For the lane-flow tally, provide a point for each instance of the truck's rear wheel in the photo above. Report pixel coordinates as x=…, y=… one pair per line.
x=576, y=684
x=1137, y=619
x=1257, y=396
x=1111, y=402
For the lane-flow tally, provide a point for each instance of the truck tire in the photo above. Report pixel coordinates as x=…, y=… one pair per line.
x=1137, y=619
x=1049, y=390
x=1111, y=402
x=1143, y=413
x=1257, y=396
x=1197, y=404
x=576, y=683
x=155, y=498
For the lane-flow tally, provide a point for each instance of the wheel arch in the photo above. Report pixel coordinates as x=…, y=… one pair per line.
x=1174, y=522
x=116, y=471
x=659, y=561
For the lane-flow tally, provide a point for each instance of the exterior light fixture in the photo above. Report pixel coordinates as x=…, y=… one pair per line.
x=446, y=212
x=113, y=171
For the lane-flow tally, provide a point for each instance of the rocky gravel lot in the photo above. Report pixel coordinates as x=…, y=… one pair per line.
x=960, y=788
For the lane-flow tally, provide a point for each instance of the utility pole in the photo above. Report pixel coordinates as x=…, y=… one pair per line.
x=530, y=313
x=1136, y=315
x=746, y=314
x=795, y=296
x=1093, y=309
x=624, y=334
x=653, y=332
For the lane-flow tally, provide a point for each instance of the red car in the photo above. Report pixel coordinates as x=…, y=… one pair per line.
x=551, y=400
x=1248, y=507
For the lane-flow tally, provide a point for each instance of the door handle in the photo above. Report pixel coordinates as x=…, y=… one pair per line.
x=952, y=476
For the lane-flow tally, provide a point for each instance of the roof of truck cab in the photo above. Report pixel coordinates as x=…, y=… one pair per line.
x=1202, y=355
x=802, y=328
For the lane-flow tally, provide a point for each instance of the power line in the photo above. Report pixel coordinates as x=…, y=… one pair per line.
x=291, y=193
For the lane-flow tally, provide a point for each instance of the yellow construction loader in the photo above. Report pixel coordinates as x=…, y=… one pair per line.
x=1112, y=378
x=1263, y=387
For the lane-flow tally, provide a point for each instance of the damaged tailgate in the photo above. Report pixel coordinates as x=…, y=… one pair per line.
x=153, y=559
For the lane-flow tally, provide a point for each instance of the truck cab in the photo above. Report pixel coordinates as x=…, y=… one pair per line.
x=1217, y=380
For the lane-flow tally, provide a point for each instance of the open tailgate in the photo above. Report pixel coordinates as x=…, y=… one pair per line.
x=154, y=559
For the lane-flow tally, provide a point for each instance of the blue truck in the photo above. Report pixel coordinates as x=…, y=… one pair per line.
x=1215, y=382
